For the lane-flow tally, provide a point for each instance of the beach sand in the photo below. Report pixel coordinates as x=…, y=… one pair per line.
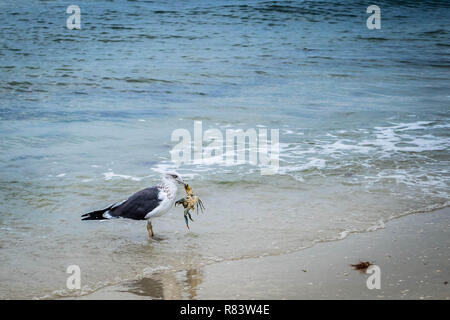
x=412, y=252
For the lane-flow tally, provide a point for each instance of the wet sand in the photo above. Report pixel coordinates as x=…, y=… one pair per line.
x=413, y=253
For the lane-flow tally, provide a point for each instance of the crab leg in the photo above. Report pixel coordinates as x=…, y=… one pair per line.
x=186, y=215
x=150, y=229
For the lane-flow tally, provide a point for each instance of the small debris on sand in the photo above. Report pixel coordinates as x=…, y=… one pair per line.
x=362, y=266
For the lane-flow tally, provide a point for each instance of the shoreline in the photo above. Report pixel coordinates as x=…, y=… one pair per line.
x=412, y=252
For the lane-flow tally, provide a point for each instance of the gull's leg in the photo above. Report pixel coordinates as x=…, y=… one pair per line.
x=150, y=229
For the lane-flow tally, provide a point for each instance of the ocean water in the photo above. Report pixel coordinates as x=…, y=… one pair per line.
x=86, y=118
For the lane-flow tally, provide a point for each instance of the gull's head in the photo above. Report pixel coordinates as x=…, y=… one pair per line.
x=173, y=176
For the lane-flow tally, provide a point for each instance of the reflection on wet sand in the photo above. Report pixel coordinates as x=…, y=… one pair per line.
x=166, y=285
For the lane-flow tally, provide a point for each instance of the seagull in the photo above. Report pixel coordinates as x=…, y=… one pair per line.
x=145, y=204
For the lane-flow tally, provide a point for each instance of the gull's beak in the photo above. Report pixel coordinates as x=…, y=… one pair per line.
x=179, y=180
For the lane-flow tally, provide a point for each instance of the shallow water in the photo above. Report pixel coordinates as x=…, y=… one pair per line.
x=87, y=115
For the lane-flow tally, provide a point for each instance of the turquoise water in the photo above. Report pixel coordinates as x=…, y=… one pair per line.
x=86, y=118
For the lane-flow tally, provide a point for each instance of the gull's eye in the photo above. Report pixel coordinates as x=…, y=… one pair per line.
x=174, y=176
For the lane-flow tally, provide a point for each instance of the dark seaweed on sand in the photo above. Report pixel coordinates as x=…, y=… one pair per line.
x=362, y=266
